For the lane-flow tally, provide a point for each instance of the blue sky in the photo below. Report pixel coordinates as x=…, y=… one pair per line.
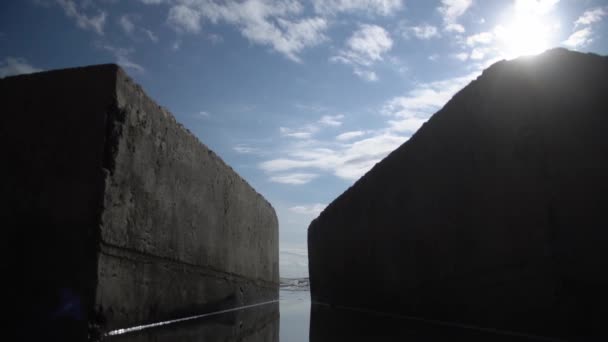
x=300, y=97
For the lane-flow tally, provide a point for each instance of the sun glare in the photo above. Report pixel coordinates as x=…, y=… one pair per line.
x=528, y=31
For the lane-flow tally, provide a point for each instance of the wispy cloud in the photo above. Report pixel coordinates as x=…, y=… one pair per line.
x=331, y=120
x=450, y=11
x=94, y=23
x=150, y=35
x=308, y=130
x=122, y=57
x=311, y=209
x=11, y=66
x=347, y=161
x=126, y=24
x=410, y=111
x=583, y=26
x=366, y=46
x=294, y=178
x=579, y=38
x=480, y=38
x=304, y=132
x=346, y=136
x=265, y=22
x=244, y=149
x=591, y=16
x=184, y=19
x=424, y=31
x=367, y=75
x=351, y=154
x=371, y=7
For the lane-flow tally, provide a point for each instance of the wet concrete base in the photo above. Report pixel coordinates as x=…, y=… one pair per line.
x=256, y=324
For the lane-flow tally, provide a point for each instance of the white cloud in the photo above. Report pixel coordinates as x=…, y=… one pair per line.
x=311, y=209
x=461, y=56
x=349, y=158
x=308, y=130
x=451, y=10
x=16, y=66
x=424, y=31
x=452, y=27
x=579, y=38
x=591, y=16
x=478, y=53
x=367, y=75
x=480, y=38
x=126, y=24
x=584, y=36
x=413, y=109
x=365, y=47
x=349, y=135
x=346, y=161
x=535, y=7
x=95, y=23
x=380, y=7
x=265, y=22
x=122, y=57
x=294, y=178
x=305, y=132
x=184, y=19
x=152, y=2
x=331, y=120
x=434, y=57
x=244, y=149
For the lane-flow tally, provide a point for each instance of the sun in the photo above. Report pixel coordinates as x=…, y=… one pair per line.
x=527, y=31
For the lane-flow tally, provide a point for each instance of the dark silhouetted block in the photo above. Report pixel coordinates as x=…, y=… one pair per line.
x=494, y=214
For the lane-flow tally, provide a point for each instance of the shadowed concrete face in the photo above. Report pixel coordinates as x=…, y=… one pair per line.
x=493, y=214
x=115, y=214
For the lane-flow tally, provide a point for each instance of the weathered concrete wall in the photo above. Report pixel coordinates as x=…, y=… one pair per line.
x=492, y=214
x=113, y=204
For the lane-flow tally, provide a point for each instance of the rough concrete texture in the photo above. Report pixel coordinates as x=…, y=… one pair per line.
x=115, y=211
x=493, y=214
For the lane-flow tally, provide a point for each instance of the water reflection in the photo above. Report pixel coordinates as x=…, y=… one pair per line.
x=333, y=324
x=255, y=324
x=301, y=322
x=295, y=315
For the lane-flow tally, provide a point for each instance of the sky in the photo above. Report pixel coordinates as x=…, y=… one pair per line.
x=300, y=97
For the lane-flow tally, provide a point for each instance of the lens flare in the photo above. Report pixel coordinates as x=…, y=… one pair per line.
x=528, y=31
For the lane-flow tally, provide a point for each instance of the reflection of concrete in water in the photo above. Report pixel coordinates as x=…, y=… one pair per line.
x=253, y=324
x=338, y=324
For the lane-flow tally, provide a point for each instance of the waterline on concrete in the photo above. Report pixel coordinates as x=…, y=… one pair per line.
x=158, y=324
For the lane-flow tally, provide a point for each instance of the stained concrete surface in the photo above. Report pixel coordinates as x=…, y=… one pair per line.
x=116, y=215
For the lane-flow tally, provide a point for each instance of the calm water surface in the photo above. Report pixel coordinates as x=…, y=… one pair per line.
x=294, y=319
